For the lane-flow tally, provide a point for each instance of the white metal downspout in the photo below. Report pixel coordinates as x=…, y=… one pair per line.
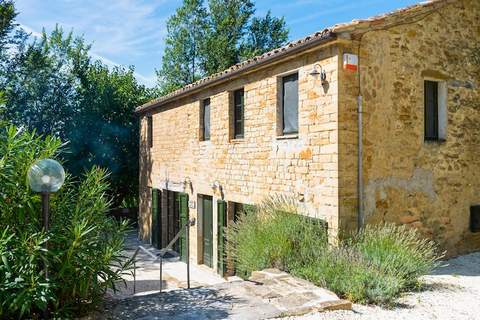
x=360, y=217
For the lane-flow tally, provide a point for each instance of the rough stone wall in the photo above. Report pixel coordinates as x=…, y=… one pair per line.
x=428, y=185
x=347, y=143
x=262, y=163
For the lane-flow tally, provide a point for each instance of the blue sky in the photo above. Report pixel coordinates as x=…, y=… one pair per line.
x=131, y=32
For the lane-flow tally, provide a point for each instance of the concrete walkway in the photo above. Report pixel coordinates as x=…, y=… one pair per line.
x=174, y=273
x=269, y=293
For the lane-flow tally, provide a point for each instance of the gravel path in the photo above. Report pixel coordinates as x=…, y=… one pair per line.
x=453, y=292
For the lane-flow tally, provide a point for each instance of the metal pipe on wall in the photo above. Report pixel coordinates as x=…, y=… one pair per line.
x=360, y=217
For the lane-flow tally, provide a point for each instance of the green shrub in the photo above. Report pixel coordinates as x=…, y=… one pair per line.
x=21, y=287
x=271, y=236
x=397, y=250
x=84, y=245
x=374, y=266
x=351, y=276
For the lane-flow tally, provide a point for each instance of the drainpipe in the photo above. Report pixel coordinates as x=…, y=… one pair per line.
x=360, y=217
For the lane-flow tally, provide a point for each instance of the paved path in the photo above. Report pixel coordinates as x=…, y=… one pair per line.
x=174, y=274
x=453, y=293
x=269, y=293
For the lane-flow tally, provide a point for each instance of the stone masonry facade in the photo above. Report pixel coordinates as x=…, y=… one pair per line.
x=427, y=185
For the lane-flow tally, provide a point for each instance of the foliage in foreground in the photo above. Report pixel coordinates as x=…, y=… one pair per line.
x=374, y=266
x=84, y=245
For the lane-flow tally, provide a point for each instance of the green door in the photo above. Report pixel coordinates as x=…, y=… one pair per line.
x=207, y=226
x=222, y=224
x=155, y=231
x=182, y=199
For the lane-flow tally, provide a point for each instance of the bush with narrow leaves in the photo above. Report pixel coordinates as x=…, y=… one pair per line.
x=270, y=235
x=84, y=255
x=397, y=250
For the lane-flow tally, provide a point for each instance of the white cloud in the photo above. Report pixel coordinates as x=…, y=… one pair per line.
x=128, y=31
x=29, y=30
x=149, y=81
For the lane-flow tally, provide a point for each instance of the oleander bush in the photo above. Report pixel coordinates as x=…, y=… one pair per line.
x=84, y=255
x=373, y=266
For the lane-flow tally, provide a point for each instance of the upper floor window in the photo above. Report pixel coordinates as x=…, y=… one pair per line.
x=290, y=104
x=435, y=115
x=205, y=120
x=150, y=131
x=238, y=113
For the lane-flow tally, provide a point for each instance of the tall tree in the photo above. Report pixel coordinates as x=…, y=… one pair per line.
x=104, y=131
x=264, y=34
x=7, y=17
x=228, y=25
x=202, y=41
x=181, y=63
x=51, y=85
x=40, y=82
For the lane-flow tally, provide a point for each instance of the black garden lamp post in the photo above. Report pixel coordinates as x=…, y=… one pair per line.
x=46, y=176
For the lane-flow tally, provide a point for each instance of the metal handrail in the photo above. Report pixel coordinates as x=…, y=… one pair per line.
x=162, y=253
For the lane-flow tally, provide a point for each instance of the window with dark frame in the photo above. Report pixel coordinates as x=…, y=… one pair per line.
x=290, y=104
x=238, y=113
x=205, y=120
x=150, y=131
x=431, y=110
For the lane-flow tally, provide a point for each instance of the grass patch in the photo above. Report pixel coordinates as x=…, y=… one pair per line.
x=374, y=266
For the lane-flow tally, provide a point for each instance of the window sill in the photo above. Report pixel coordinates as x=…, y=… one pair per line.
x=435, y=141
x=237, y=140
x=288, y=136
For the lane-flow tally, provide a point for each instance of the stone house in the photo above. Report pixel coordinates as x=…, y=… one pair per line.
x=289, y=121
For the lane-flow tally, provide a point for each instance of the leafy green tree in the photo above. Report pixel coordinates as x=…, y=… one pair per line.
x=264, y=34
x=41, y=82
x=181, y=63
x=204, y=40
x=105, y=130
x=52, y=86
x=7, y=17
x=228, y=25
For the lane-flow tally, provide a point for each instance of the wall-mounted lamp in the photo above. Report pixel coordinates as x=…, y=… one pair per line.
x=187, y=183
x=318, y=71
x=217, y=189
x=216, y=185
